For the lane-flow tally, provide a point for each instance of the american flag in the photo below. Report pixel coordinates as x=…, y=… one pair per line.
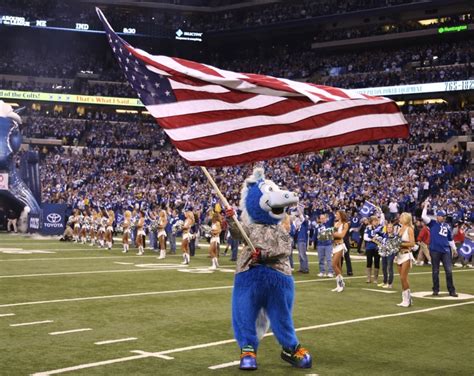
x=216, y=117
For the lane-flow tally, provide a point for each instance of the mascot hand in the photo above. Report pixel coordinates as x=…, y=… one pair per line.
x=257, y=255
x=7, y=111
x=229, y=212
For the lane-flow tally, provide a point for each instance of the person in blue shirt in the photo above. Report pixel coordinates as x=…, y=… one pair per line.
x=441, y=246
x=172, y=234
x=323, y=237
x=374, y=229
x=302, y=241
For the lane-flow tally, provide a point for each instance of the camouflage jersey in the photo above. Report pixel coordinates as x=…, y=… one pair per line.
x=274, y=243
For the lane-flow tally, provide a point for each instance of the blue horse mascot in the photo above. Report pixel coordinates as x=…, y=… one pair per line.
x=264, y=290
x=10, y=142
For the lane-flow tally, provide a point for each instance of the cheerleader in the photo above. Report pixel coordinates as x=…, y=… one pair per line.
x=92, y=231
x=140, y=240
x=404, y=258
x=102, y=224
x=109, y=229
x=215, y=240
x=127, y=223
x=85, y=229
x=162, y=223
x=187, y=237
x=76, y=225
x=341, y=226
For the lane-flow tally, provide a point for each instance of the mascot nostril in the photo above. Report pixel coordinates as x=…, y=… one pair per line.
x=263, y=291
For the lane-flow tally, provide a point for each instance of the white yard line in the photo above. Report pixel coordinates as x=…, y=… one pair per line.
x=212, y=344
x=382, y=291
x=79, y=273
x=116, y=296
x=6, y=314
x=115, y=341
x=123, y=263
x=70, y=331
x=32, y=323
x=182, y=291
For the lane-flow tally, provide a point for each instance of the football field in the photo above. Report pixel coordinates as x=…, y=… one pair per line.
x=73, y=309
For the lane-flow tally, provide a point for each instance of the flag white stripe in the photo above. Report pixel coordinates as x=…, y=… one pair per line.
x=157, y=71
x=232, y=80
x=205, y=105
x=207, y=88
x=281, y=139
x=219, y=127
x=309, y=91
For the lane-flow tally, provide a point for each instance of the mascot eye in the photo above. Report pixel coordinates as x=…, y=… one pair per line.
x=270, y=189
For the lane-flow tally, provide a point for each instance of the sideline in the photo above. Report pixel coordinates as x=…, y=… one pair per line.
x=212, y=344
x=183, y=291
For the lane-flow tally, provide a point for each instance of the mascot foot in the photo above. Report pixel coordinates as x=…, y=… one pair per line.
x=299, y=357
x=248, y=359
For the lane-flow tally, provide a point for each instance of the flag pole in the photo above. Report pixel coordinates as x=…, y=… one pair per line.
x=227, y=205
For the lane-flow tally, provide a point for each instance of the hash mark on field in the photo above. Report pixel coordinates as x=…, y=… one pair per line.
x=32, y=323
x=70, y=331
x=382, y=291
x=212, y=344
x=153, y=355
x=123, y=263
x=115, y=341
x=6, y=314
x=225, y=365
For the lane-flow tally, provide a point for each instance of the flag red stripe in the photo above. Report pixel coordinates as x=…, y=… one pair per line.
x=312, y=122
x=276, y=109
x=230, y=97
x=352, y=138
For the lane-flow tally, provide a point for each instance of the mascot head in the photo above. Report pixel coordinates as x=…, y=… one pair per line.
x=262, y=201
x=10, y=136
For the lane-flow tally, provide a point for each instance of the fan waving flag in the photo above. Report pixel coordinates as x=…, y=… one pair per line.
x=218, y=118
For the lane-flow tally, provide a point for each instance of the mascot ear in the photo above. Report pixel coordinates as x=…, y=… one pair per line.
x=257, y=175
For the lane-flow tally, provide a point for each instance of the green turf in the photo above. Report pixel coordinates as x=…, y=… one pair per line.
x=437, y=342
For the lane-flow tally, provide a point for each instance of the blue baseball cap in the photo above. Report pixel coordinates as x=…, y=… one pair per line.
x=441, y=213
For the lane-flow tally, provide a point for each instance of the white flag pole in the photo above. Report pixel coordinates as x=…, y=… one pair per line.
x=227, y=205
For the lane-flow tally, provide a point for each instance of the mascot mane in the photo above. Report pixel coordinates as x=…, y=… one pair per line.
x=262, y=201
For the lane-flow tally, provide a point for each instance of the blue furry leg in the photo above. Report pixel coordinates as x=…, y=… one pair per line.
x=263, y=287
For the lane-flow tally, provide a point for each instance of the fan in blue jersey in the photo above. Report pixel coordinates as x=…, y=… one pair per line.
x=441, y=246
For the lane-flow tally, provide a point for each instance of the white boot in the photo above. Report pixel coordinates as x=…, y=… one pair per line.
x=140, y=251
x=214, y=264
x=185, y=259
x=339, y=284
x=406, y=299
x=162, y=254
x=125, y=248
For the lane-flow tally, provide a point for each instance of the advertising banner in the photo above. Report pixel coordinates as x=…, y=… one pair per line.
x=54, y=218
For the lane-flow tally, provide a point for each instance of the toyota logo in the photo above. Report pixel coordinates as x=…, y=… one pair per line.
x=53, y=218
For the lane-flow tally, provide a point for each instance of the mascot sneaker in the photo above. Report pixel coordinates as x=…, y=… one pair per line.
x=248, y=359
x=300, y=357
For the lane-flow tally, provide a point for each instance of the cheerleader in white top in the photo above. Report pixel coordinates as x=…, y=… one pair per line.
x=404, y=258
x=84, y=229
x=102, y=224
x=162, y=222
x=76, y=225
x=141, y=237
x=341, y=226
x=109, y=229
x=188, y=223
x=92, y=231
x=215, y=240
x=127, y=223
